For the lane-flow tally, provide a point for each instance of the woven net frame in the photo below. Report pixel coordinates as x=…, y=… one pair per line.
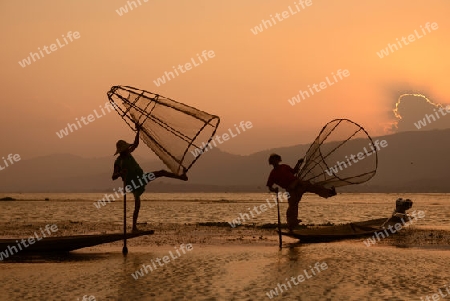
x=318, y=159
x=170, y=128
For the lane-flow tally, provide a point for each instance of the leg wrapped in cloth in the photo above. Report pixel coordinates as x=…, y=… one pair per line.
x=296, y=191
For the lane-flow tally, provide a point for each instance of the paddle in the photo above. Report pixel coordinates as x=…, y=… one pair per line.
x=279, y=221
x=124, y=249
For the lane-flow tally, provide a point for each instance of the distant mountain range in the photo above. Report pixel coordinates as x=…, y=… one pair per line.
x=416, y=161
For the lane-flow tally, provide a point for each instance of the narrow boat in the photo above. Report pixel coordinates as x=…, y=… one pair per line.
x=346, y=231
x=355, y=229
x=63, y=244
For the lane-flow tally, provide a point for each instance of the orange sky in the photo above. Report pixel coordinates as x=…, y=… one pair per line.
x=250, y=78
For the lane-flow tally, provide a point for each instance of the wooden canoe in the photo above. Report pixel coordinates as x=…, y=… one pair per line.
x=345, y=231
x=64, y=244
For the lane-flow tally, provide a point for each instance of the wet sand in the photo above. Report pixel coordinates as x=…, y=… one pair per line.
x=243, y=263
x=225, y=263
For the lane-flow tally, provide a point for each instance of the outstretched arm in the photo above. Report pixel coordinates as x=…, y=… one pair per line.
x=136, y=139
x=297, y=166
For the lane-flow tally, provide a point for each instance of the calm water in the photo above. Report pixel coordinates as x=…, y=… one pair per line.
x=230, y=270
x=210, y=207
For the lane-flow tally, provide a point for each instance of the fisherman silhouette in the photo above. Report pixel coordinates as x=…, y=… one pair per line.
x=132, y=174
x=284, y=176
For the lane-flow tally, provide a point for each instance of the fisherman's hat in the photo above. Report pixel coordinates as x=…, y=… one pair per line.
x=121, y=146
x=273, y=157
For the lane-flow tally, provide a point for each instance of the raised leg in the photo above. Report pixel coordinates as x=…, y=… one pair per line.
x=165, y=173
x=319, y=190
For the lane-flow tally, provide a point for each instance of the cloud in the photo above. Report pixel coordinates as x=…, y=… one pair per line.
x=411, y=108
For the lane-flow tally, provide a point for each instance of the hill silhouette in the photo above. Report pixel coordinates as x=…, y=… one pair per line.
x=414, y=161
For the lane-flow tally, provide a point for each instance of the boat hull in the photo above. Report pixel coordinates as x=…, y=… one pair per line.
x=346, y=231
x=67, y=243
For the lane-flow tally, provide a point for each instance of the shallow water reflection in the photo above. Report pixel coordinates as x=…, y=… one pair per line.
x=354, y=272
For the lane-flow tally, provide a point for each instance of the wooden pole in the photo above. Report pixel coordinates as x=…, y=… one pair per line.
x=279, y=223
x=124, y=249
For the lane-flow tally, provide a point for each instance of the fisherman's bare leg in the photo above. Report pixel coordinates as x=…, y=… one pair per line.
x=137, y=206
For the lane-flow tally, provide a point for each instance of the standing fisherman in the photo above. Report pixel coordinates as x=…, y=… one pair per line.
x=132, y=174
x=284, y=176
